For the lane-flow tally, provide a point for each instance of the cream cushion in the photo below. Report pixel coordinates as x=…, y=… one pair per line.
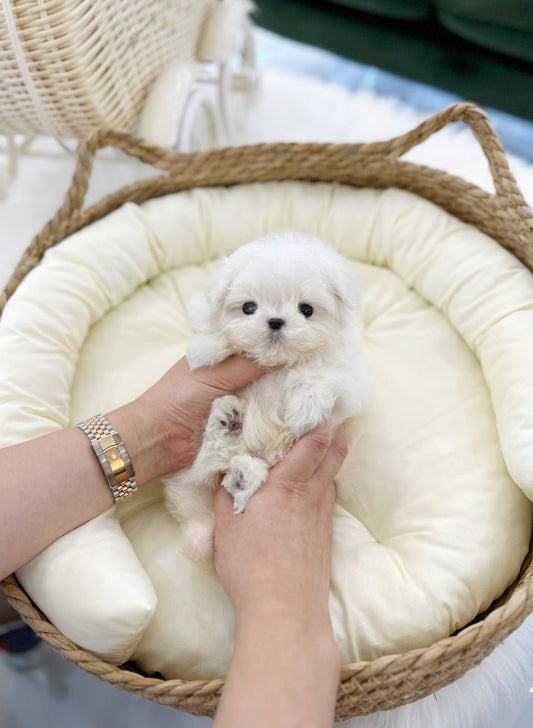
x=430, y=526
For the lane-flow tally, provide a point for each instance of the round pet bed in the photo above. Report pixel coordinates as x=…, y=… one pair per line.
x=432, y=523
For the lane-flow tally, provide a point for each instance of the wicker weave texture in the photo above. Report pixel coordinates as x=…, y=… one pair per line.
x=70, y=66
x=391, y=680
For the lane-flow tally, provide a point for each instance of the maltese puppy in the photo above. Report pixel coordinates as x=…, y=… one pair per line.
x=289, y=302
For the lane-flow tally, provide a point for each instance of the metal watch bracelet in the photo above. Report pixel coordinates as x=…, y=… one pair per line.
x=112, y=456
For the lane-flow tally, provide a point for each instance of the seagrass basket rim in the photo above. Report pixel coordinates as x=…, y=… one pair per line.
x=391, y=680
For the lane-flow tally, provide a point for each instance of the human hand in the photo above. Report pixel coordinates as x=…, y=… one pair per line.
x=274, y=560
x=164, y=424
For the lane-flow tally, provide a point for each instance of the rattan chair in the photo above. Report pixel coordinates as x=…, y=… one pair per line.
x=68, y=67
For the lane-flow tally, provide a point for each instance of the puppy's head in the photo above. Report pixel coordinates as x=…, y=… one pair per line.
x=279, y=299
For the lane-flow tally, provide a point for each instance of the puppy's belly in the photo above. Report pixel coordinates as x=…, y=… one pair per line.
x=265, y=435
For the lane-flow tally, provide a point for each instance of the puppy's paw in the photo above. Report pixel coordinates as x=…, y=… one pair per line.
x=305, y=411
x=226, y=417
x=207, y=350
x=245, y=476
x=175, y=486
x=241, y=500
x=199, y=540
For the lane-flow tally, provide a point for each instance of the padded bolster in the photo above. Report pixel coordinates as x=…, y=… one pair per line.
x=73, y=318
x=101, y=582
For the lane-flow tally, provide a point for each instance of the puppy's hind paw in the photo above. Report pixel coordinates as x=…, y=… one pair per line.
x=199, y=541
x=241, y=500
x=246, y=475
x=227, y=414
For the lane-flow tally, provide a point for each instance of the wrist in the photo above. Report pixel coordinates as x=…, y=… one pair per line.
x=297, y=602
x=291, y=674
x=144, y=439
x=275, y=622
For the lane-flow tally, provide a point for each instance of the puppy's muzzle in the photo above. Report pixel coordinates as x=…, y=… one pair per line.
x=276, y=323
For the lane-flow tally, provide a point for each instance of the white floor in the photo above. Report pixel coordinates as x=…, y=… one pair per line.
x=55, y=694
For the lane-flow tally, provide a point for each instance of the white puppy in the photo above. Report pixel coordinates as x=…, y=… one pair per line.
x=288, y=301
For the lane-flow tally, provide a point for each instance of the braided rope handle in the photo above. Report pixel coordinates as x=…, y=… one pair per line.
x=504, y=182
x=507, y=191
x=273, y=162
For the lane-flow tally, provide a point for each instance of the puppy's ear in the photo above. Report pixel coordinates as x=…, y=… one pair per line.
x=209, y=346
x=204, y=305
x=345, y=286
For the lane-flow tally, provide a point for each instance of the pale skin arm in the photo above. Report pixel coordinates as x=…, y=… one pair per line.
x=274, y=562
x=275, y=569
x=52, y=484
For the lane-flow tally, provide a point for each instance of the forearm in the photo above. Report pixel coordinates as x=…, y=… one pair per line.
x=281, y=674
x=274, y=561
x=54, y=483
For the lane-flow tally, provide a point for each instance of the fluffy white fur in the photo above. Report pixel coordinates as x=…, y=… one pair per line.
x=290, y=302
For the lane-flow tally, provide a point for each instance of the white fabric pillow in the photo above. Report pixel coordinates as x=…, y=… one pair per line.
x=72, y=584
x=429, y=527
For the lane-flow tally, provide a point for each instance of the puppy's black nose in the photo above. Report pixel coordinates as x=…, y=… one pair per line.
x=276, y=323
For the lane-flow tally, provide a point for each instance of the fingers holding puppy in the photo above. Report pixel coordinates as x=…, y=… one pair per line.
x=279, y=550
x=313, y=462
x=307, y=471
x=230, y=374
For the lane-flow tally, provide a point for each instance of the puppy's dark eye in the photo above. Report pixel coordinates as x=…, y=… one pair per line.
x=305, y=309
x=249, y=307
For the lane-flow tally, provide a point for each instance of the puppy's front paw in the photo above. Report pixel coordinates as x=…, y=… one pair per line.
x=206, y=351
x=305, y=411
x=245, y=476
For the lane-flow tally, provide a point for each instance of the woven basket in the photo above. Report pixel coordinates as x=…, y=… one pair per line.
x=67, y=67
x=392, y=680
